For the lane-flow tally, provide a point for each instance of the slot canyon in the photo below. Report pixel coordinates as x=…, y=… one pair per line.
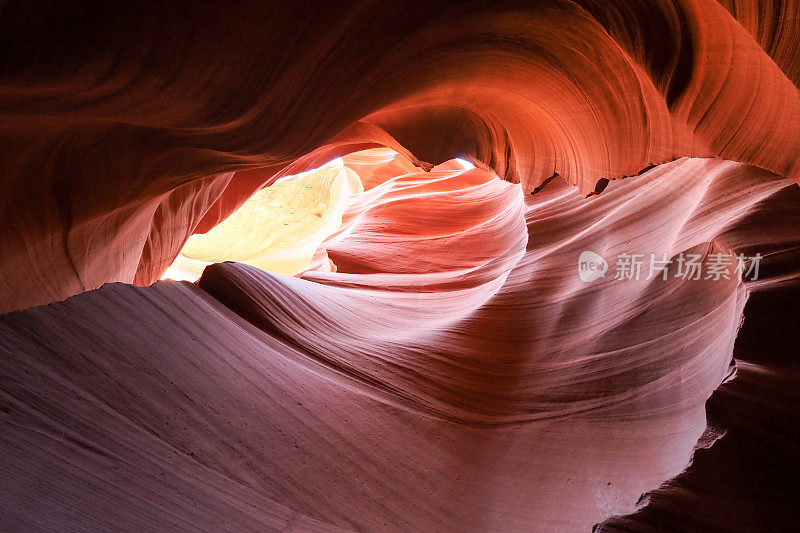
x=400, y=266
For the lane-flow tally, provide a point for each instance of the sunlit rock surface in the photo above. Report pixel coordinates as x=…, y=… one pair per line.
x=279, y=228
x=423, y=355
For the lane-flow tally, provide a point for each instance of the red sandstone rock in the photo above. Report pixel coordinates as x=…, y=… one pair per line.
x=440, y=366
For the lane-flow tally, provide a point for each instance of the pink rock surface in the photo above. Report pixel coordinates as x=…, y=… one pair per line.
x=483, y=387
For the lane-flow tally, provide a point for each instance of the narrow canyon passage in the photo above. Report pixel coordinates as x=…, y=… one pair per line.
x=483, y=266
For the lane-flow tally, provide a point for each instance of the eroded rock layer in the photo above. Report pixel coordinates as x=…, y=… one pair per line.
x=483, y=385
x=132, y=127
x=439, y=364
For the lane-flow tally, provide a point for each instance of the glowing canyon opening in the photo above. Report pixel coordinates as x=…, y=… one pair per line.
x=278, y=229
x=451, y=267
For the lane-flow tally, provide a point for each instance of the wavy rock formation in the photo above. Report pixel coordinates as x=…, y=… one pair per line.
x=439, y=360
